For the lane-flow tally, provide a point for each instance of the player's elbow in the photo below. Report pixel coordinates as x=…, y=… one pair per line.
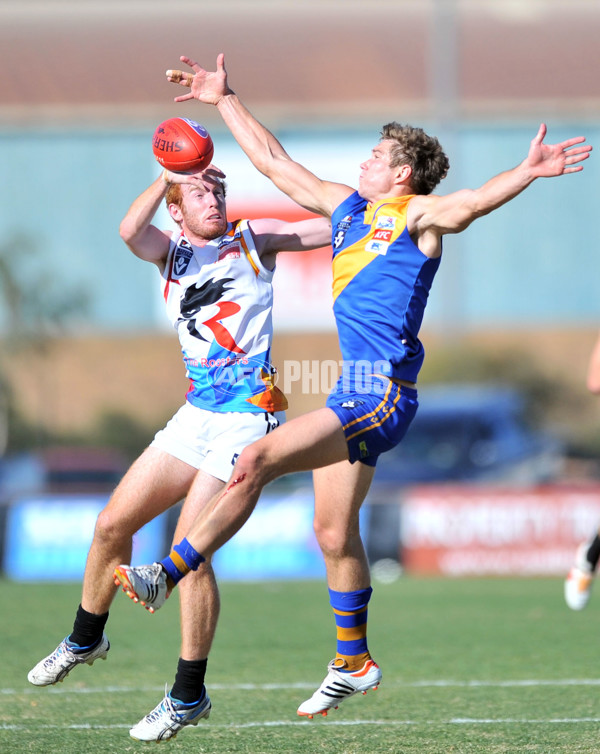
x=593, y=384
x=465, y=208
x=272, y=163
x=474, y=206
x=127, y=231
x=131, y=233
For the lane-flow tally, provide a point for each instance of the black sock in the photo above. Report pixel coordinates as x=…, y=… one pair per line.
x=189, y=680
x=88, y=628
x=593, y=554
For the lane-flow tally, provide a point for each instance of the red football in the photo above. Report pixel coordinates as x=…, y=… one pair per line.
x=182, y=145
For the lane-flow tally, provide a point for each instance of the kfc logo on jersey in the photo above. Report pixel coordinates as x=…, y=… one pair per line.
x=340, y=231
x=385, y=222
x=382, y=235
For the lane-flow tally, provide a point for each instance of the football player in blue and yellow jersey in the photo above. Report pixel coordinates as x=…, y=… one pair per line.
x=387, y=246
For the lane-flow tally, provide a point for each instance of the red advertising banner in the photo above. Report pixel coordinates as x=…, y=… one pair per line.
x=460, y=530
x=302, y=285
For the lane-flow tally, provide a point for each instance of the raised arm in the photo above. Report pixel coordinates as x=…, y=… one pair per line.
x=454, y=212
x=261, y=146
x=145, y=240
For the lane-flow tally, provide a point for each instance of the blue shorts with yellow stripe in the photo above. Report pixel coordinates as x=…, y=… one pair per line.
x=375, y=420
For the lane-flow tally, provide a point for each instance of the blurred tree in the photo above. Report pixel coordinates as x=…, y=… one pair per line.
x=36, y=309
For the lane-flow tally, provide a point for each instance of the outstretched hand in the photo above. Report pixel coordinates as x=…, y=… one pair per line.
x=206, y=86
x=546, y=160
x=211, y=175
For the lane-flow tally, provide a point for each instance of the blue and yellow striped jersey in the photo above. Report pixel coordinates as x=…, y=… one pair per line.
x=381, y=281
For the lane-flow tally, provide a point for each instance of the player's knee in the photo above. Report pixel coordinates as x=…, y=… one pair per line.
x=110, y=527
x=335, y=538
x=332, y=540
x=253, y=465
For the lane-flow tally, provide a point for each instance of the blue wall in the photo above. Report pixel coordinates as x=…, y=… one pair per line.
x=535, y=261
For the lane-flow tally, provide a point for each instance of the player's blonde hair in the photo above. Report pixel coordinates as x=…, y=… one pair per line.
x=422, y=152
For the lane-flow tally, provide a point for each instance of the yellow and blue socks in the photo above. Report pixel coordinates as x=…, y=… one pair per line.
x=350, y=611
x=181, y=560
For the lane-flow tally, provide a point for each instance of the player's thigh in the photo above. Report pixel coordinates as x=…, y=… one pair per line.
x=307, y=442
x=153, y=483
x=203, y=489
x=340, y=490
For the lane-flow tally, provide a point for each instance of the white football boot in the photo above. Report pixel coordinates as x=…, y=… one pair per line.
x=579, y=581
x=57, y=666
x=339, y=685
x=169, y=717
x=146, y=584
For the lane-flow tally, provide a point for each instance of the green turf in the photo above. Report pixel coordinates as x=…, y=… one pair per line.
x=469, y=666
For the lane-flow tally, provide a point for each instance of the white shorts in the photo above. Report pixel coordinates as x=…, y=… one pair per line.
x=212, y=441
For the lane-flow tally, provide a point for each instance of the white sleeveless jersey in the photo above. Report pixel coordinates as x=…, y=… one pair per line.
x=219, y=298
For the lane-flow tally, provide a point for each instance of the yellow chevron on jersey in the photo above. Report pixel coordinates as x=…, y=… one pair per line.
x=381, y=282
x=385, y=222
x=249, y=256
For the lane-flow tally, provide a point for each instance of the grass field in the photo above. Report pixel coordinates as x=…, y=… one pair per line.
x=468, y=666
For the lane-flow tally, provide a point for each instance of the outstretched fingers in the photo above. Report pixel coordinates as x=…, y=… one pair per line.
x=192, y=63
x=575, y=155
x=205, y=86
x=180, y=77
x=575, y=140
x=184, y=78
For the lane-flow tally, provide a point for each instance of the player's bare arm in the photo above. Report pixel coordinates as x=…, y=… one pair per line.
x=272, y=236
x=433, y=216
x=145, y=240
x=261, y=146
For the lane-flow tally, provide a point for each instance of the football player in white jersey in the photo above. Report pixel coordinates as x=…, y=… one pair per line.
x=216, y=279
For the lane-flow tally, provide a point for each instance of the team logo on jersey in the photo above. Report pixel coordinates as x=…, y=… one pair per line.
x=183, y=256
x=230, y=251
x=377, y=247
x=385, y=222
x=210, y=293
x=340, y=231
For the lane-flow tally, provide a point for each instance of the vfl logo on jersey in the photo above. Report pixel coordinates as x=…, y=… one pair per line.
x=340, y=231
x=183, y=257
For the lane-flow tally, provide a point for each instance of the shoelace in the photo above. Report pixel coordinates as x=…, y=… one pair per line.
x=166, y=705
x=148, y=572
x=55, y=657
